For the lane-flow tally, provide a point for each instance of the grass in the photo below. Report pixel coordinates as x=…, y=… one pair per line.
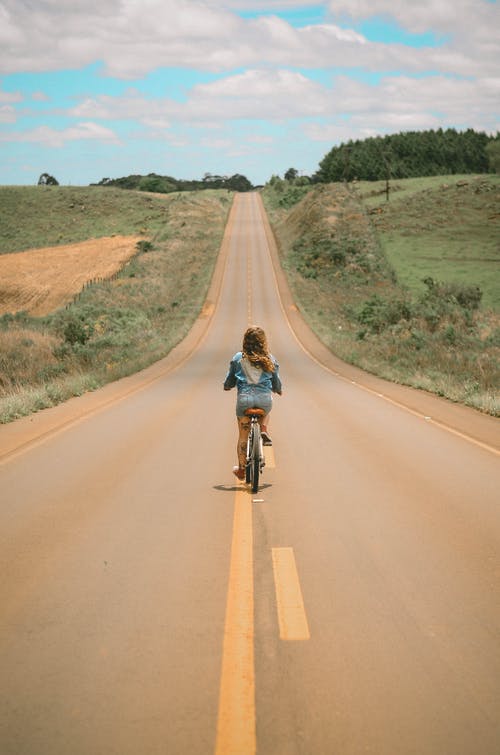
x=445, y=227
x=114, y=327
x=345, y=251
x=39, y=216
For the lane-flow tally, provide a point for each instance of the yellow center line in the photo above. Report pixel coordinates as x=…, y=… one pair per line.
x=291, y=613
x=236, y=720
x=249, y=287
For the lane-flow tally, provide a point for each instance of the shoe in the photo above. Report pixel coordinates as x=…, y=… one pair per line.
x=266, y=438
x=239, y=472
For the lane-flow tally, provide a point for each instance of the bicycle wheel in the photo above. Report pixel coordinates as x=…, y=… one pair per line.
x=255, y=475
x=248, y=465
x=255, y=460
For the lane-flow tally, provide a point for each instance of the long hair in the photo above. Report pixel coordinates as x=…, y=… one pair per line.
x=255, y=349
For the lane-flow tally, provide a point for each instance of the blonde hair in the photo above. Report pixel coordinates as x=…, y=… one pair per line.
x=255, y=349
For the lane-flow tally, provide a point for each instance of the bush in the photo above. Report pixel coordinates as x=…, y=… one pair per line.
x=378, y=314
x=467, y=297
x=76, y=331
x=144, y=246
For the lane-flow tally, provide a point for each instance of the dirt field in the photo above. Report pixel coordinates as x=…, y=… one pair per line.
x=42, y=280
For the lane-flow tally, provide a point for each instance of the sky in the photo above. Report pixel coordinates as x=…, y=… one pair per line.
x=93, y=89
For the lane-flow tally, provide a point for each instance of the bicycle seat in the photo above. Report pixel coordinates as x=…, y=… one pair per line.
x=255, y=412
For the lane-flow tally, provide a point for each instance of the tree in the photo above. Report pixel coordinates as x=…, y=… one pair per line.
x=155, y=183
x=47, y=180
x=412, y=153
x=239, y=183
x=291, y=174
x=493, y=154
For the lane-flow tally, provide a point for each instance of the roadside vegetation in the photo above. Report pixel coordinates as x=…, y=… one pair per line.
x=397, y=274
x=407, y=289
x=113, y=327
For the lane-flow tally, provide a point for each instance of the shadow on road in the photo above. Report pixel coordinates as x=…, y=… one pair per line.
x=236, y=488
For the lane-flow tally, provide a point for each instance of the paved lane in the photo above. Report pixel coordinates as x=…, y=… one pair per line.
x=150, y=604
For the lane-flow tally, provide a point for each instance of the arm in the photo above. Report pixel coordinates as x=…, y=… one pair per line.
x=276, y=380
x=230, y=380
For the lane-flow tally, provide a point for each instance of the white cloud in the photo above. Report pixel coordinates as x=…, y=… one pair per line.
x=350, y=108
x=253, y=94
x=10, y=97
x=256, y=94
x=50, y=137
x=40, y=97
x=406, y=104
x=7, y=114
x=469, y=28
x=266, y=5
x=133, y=37
x=424, y=15
x=283, y=95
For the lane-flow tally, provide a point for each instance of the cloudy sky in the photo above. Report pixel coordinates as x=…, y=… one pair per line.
x=105, y=88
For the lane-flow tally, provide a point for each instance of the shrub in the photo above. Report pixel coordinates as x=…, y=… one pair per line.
x=378, y=314
x=144, y=246
x=467, y=297
x=76, y=331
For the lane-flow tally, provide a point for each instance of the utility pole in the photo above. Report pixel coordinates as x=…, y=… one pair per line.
x=387, y=163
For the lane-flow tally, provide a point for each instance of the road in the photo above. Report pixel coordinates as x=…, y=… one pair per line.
x=150, y=604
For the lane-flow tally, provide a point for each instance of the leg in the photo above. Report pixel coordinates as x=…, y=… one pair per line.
x=266, y=438
x=243, y=429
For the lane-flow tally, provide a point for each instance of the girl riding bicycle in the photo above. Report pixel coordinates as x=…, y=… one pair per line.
x=255, y=373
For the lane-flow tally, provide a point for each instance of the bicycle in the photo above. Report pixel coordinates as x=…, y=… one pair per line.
x=255, y=460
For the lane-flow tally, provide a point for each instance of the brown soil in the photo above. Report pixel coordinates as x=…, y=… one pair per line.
x=41, y=280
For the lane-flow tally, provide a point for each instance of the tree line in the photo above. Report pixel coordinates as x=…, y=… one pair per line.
x=407, y=154
x=410, y=154
x=166, y=184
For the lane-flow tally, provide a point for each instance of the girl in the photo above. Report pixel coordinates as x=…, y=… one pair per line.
x=255, y=373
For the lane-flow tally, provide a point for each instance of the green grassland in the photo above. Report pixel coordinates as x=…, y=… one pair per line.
x=115, y=327
x=38, y=216
x=444, y=227
x=357, y=264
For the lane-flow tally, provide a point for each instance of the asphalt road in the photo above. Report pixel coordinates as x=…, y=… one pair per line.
x=150, y=604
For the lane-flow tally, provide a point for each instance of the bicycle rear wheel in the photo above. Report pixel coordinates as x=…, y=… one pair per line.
x=255, y=459
x=248, y=465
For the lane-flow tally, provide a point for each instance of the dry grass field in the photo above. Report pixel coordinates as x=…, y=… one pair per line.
x=82, y=303
x=38, y=281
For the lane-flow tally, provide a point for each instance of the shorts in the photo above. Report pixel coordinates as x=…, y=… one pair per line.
x=255, y=399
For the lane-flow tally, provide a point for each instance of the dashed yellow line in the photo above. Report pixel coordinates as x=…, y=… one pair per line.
x=291, y=613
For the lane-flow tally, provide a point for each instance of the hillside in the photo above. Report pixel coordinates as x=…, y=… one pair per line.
x=344, y=249
x=113, y=327
x=446, y=228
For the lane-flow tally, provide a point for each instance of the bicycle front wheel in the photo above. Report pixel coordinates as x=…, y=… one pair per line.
x=255, y=475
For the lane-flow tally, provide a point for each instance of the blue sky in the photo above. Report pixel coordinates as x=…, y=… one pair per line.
x=188, y=87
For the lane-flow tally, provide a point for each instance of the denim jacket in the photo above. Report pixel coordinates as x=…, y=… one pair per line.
x=250, y=381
